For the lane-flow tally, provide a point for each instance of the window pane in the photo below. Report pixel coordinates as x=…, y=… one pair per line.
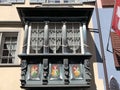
x=54, y=1
x=14, y=39
x=12, y=53
x=34, y=72
x=5, y=52
x=19, y=0
x=3, y=1
x=33, y=1
x=7, y=39
x=73, y=37
x=4, y=60
x=37, y=36
x=41, y=1
x=12, y=0
x=10, y=60
x=13, y=46
x=34, y=33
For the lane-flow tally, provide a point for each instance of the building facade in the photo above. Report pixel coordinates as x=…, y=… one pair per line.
x=49, y=43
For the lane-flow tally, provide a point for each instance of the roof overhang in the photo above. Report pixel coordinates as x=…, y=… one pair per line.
x=40, y=14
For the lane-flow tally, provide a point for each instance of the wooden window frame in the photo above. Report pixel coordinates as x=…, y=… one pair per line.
x=116, y=49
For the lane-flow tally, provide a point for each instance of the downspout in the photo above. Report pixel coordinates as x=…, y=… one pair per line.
x=101, y=46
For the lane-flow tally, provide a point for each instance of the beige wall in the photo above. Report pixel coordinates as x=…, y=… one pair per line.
x=10, y=78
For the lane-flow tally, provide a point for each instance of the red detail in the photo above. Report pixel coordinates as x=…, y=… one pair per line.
x=116, y=18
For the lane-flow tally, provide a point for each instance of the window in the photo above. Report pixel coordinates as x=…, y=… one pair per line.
x=53, y=1
x=69, y=1
x=73, y=37
x=4, y=1
x=17, y=1
x=37, y=1
x=8, y=48
x=11, y=1
x=37, y=38
x=56, y=37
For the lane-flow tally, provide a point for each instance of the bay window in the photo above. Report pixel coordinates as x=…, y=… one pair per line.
x=56, y=37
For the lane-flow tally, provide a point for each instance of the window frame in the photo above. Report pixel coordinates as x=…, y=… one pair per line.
x=83, y=40
x=3, y=35
x=8, y=2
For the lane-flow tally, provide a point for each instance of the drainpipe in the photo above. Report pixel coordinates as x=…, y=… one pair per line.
x=101, y=47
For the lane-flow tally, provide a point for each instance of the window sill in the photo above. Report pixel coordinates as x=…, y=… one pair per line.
x=10, y=4
x=9, y=65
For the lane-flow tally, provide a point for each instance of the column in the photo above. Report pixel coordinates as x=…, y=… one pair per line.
x=85, y=37
x=25, y=38
x=82, y=39
x=46, y=38
x=64, y=36
x=28, y=39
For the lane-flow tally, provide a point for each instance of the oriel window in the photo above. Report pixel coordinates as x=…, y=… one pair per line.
x=56, y=37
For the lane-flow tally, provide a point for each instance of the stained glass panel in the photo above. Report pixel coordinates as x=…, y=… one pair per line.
x=75, y=71
x=55, y=72
x=35, y=72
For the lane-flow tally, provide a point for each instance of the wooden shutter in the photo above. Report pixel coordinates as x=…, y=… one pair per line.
x=108, y=3
x=116, y=49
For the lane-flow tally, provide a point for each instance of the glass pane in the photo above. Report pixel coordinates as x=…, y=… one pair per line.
x=13, y=46
x=33, y=1
x=33, y=41
x=69, y=25
x=34, y=72
x=7, y=39
x=75, y=71
x=41, y=25
x=41, y=1
x=76, y=25
x=66, y=1
x=20, y=0
x=4, y=60
x=34, y=25
x=34, y=33
x=10, y=60
x=7, y=46
x=14, y=39
x=33, y=49
x=40, y=33
x=51, y=26
x=12, y=0
x=40, y=42
x=5, y=52
x=3, y=1
x=12, y=53
x=55, y=72
x=57, y=1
